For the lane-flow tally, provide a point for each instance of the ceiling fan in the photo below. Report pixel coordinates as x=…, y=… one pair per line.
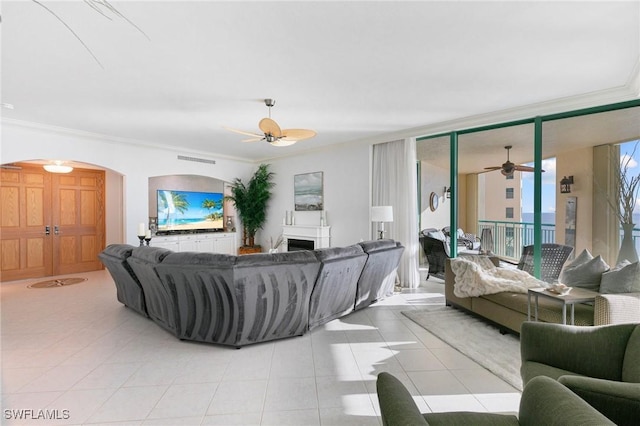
x=272, y=132
x=508, y=167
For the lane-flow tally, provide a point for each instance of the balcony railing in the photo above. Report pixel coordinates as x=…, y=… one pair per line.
x=510, y=237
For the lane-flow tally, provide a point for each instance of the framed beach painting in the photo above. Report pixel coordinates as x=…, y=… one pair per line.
x=307, y=191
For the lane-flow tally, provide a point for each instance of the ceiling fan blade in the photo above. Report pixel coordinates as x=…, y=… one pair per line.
x=242, y=132
x=493, y=168
x=283, y=142
x=526, y=169
x=256, y=139
x=268, y=126
x=297, y=134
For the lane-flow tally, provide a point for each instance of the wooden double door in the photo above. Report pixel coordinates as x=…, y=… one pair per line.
x=50, y=224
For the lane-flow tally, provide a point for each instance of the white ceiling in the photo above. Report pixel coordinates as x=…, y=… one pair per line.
x=349, y=70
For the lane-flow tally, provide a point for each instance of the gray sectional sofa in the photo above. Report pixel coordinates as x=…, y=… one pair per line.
x=240, y=300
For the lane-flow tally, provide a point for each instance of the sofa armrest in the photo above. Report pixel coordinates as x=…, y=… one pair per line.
x=590, y=351
x=396, y=403
x=616, y=308
x=619, y=401
x=547, y=402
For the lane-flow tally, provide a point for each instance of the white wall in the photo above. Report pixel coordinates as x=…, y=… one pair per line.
x=346, y=169
x=434, y=179
x=136, y=163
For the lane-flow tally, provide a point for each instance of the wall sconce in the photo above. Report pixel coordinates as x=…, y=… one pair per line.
x=447, y=192
x=565, y=185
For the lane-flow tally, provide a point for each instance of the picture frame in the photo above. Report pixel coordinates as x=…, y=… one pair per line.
x=308, y=191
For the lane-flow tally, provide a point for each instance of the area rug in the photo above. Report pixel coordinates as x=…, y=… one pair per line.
x=477, y=339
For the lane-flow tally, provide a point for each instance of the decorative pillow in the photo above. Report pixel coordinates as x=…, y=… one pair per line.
x=624, y=278
x=438, y=235
x=585, y=271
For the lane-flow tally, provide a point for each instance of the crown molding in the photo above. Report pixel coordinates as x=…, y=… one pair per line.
x=114, y=139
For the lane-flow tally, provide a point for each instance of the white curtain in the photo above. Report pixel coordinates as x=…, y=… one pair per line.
x=394, y=183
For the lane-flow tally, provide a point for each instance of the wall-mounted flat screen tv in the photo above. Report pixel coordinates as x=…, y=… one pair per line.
x=188, y=211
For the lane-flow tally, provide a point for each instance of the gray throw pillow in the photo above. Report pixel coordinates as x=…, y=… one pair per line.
x=438, y=235
x=624, y=278
x=585, y=271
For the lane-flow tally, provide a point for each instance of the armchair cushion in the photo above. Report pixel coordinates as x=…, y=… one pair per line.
x=631, y=367
x=619, y=400
x=589, y=351
x=544, y=402
x=600, y=364
x=585, y=271
x=624, y=278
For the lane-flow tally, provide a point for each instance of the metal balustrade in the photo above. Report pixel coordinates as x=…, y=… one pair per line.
x=510, y=237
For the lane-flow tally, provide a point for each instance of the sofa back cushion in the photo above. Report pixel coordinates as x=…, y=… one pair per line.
x=334, y=293
x=273, y=293
x=378, y=277
x=624, y=278
x=585, y=271
x=158, y=299
x=128, y=288
x=631, y=365
x=376, y=245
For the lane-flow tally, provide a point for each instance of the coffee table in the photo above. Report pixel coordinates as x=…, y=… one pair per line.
x=576, y=295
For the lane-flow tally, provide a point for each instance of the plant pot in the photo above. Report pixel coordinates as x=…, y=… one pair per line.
x=249, y=250
x=627, y=247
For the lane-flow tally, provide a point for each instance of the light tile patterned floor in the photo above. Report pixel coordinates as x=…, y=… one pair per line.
x=76, y=348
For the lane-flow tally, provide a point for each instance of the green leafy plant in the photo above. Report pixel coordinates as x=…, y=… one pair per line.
x=251, y=200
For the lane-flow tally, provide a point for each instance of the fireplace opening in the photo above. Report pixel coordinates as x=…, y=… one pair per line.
x=295, y=245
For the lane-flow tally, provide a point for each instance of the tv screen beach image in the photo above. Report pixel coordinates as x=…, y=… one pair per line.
x=188, y=210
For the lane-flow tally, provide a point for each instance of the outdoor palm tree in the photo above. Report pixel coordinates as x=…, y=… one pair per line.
x=251, y=201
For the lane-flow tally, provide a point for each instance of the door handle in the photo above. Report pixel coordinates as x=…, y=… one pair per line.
x=56, y=231
x=47, y=230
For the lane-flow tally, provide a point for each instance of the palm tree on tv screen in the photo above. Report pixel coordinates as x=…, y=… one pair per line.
x=178, y=203
x=211, y=204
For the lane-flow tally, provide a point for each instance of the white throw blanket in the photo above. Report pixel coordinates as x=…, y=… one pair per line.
x=476, y=275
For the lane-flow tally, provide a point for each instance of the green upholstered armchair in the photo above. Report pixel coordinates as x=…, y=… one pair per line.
x=544, y=402
x=600, y=364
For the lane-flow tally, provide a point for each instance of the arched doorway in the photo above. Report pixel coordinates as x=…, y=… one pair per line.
x=53, y=224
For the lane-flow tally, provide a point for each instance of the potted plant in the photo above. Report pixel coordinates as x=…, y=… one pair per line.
x=251, y=200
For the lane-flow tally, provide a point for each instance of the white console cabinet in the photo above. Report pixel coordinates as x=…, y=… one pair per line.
x=210, y=242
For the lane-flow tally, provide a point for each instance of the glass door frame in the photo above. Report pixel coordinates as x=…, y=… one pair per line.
x=538, y=122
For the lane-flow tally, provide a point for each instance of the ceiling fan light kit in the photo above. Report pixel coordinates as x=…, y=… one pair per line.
x=272, y=132
x=57, y=167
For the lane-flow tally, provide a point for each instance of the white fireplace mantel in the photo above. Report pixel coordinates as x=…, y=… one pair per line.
x=320, y=235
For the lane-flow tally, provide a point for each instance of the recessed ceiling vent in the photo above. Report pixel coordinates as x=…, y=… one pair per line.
x=196, y=159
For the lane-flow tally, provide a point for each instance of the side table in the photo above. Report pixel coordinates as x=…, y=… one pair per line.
x=576, y=295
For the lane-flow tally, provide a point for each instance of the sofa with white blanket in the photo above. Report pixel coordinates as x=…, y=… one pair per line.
x=499, y=294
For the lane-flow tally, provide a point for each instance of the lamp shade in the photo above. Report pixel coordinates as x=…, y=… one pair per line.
x=382, y=214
